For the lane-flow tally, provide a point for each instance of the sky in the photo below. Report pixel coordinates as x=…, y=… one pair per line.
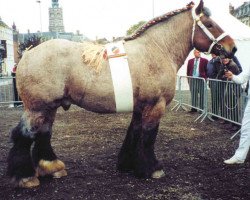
x=95, y=18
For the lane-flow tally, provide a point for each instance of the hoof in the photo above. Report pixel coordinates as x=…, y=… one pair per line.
x=60, y=174
x=29, y=182
x=158, y=174
x=50, y=168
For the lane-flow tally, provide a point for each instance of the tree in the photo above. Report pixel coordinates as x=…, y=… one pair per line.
x=29, y=43
x=133, y=28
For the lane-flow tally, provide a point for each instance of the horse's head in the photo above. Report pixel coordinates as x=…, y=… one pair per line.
x=207, y=36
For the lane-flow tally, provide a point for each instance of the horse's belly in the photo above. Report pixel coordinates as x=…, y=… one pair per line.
x=108, y=94
x=99, y=103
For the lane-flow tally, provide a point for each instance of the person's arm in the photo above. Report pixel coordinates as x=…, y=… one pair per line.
x=188, y=68
x=206, y=63
x=233, y=67
x=202, y=68
x=239, y=79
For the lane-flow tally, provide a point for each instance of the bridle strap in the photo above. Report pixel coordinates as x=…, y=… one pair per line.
x=216, y=41
x=205, y=30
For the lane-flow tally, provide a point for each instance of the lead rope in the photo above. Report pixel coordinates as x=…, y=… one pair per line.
x=234, y=93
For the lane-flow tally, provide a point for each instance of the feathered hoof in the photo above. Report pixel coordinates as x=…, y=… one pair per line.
x=60, y=174
x=29, y=182
x=51, y=168
x=158, y=174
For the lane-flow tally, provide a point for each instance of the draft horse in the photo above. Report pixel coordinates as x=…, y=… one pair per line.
x=53, y=74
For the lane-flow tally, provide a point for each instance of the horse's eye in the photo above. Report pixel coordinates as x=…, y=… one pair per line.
x=209, y=25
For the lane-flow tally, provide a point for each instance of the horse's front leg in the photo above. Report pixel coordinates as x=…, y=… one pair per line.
x=126, y=156
x=44, y=158
x=137, y=152
x=146, y=163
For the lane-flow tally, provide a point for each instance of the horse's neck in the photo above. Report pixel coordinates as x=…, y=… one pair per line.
x=172, y=39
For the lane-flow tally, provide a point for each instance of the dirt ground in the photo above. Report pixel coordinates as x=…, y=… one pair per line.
x=191, y=152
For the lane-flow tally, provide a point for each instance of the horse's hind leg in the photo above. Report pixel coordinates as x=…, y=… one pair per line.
x=20, y=165
x=34, y=126
x=44, y=158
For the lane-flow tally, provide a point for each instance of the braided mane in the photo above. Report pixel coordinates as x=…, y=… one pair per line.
x=156, y=20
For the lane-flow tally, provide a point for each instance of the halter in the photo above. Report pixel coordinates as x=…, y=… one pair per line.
x=206, y=31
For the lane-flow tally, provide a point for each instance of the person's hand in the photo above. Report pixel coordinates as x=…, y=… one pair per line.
x=229, y=75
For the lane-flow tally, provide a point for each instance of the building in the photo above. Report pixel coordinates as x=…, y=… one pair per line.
x=10, y=38
x=77, y=37
x=56, y=18
x=56, y=27
x=6, y=49
x=242, y=12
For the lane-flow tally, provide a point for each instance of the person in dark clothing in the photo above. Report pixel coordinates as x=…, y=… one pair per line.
x=229, y=92
x=213, y=84
x=211, y=66
x=196, y=68
x=228, y=65
x=16, y=97
x=237, y=62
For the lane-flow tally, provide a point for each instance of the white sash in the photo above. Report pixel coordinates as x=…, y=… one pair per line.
x=121, y=77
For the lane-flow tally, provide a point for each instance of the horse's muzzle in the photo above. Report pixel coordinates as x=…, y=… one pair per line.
x=225, y=54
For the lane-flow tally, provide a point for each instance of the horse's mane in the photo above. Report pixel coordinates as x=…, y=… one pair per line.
x=156, y=20
x=93, y=54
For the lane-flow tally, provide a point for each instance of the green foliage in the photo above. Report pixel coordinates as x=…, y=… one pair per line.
x=133, y=28
x=29, y=43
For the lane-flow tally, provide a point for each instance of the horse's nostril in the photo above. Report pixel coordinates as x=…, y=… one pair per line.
x=234, y=50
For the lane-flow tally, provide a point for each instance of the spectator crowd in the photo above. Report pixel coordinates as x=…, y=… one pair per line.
x=224, y=95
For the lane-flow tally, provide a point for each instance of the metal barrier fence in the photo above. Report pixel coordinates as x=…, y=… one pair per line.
x=212, y=98
x=191, y=93
x=8, y=92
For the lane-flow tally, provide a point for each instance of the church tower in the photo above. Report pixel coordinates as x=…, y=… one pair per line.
x=56, y=18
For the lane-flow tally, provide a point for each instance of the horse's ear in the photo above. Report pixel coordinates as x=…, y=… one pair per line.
x=190, y=5
x=199, y=8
